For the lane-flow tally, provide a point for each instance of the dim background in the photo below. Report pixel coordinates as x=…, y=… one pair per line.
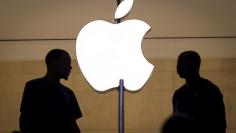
x=30, y=28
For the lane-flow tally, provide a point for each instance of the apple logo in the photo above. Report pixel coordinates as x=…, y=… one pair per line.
x=108, y=52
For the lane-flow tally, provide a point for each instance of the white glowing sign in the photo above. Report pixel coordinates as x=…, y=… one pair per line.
x=109, y=52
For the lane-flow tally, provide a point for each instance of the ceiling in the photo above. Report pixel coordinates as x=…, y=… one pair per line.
x=63, y=19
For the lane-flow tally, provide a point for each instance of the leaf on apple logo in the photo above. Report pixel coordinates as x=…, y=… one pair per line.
x=123, y=9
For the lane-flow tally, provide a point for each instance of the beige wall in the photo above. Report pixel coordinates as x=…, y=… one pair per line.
x=145, y=111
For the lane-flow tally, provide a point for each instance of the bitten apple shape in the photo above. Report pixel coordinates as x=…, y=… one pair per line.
x=109, y=52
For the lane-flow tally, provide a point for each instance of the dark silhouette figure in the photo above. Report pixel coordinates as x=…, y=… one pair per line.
x=47, y=105
x=180, y=123
x=198, y=97
x=15, y=131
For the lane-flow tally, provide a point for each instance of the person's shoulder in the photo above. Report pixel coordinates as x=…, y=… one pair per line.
x=35, y=81
x=67, y=89
x=180, y=91
x=209, y=84
x=213, y=88
x=32, y=86
x=178, y=94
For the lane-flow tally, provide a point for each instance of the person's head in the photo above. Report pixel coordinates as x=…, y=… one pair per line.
x=58, y=63
x=188, y=64
x=180, y=123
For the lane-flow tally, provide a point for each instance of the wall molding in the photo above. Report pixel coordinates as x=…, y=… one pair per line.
x=152, y=48
x=73, y=39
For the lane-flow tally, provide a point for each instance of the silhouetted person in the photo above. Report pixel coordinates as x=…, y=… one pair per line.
x=180, y=123
x=198, y=97
x=15, y=131
x=47, y=105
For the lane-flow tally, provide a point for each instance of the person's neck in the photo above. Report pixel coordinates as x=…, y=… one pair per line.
x=193, y=79
x=52, y=78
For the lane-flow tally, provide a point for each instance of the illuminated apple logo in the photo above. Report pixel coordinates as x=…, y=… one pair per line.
x=109, y=52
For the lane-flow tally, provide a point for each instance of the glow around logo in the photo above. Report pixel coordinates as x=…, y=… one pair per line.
x=109, y=52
